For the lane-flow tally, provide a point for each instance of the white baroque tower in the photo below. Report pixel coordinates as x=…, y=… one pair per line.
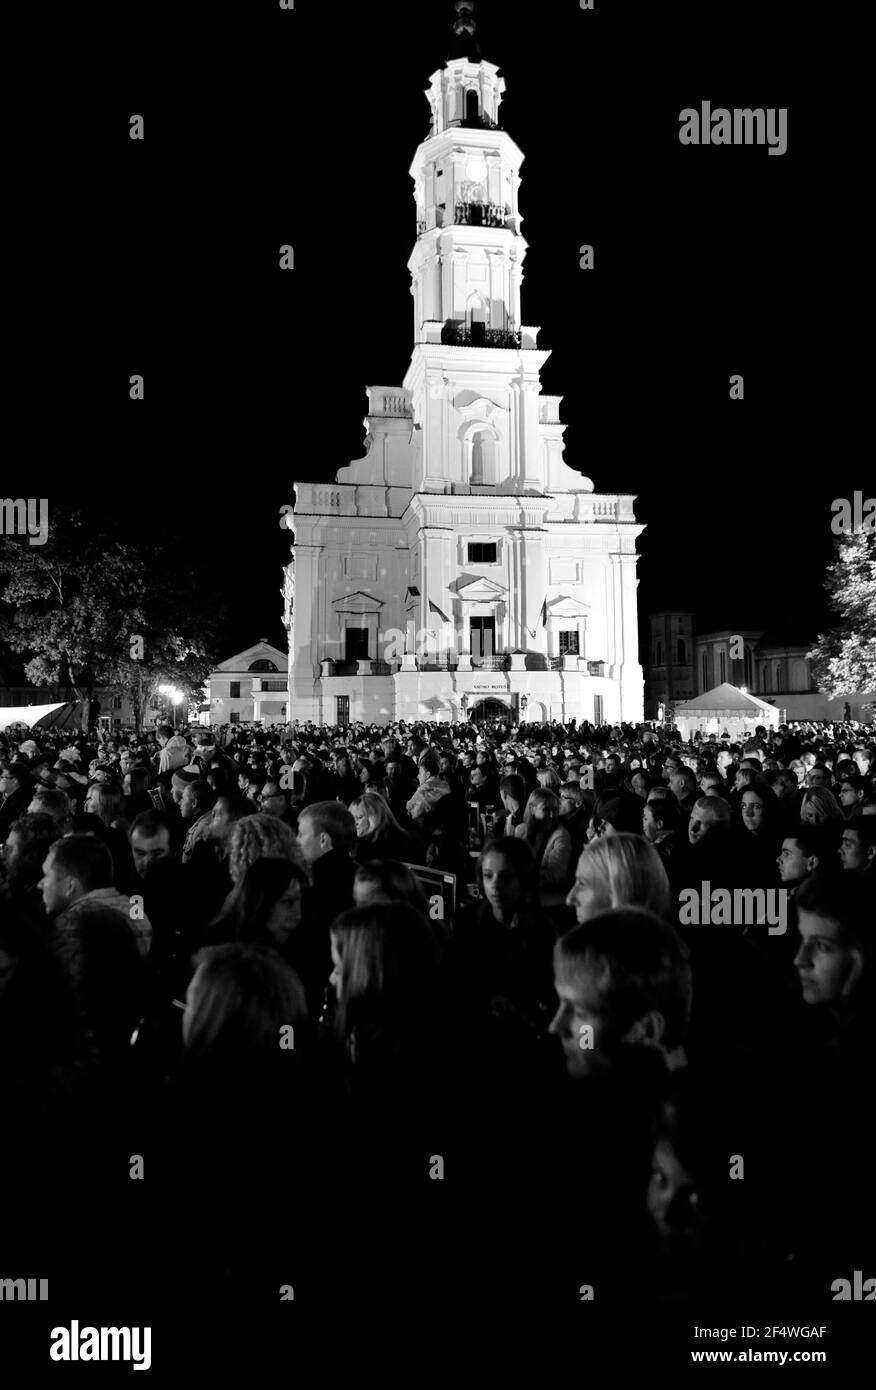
x=461, y=567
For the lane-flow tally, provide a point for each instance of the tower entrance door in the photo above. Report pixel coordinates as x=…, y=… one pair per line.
x=487, y=710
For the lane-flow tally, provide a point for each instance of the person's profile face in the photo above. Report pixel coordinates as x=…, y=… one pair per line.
x=792, y=862
x=360, y=816
x=54, y=887
x=851, y=852
x=827, y=966
x=587, y=896
x=582, y=1021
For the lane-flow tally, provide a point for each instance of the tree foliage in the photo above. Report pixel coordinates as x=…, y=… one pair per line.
x=844, y=659
x=75, y=605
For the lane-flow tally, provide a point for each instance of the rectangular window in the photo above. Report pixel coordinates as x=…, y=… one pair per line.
x=117, y=702
x=273, y=685
x=569, y=643
x=483, y=637
x=481, y=553
x=597, y=709
x=234, y=717
x=355, y=644
x=234, y=690
x=343, y=710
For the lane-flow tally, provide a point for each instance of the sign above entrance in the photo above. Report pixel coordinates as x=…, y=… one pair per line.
x=489, y=683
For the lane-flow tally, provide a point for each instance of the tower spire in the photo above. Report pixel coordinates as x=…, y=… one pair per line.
x=465, y=44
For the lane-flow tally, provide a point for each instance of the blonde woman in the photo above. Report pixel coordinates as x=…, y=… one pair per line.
x=620, y=870
x=378, y=833
x=550, y=844
x=261, y=837
x=549, y=779
x=819, y=806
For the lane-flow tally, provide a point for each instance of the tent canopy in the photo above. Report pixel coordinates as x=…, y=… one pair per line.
x=25, y=714
x=724, y=699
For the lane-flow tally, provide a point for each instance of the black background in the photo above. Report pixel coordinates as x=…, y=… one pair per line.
x=267, y=127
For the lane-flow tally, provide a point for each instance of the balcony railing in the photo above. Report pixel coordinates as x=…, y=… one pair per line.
x=381, y=668
x=480, y=215
x=440, y=663
x=489, y=663
x=457, y=334
x=473, y=123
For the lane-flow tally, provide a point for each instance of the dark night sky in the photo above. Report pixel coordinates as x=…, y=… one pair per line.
x=265, y=127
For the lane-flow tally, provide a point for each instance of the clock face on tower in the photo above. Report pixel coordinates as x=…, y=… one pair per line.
x=476, y=170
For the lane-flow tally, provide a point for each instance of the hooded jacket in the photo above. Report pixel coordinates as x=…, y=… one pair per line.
x=175, y=753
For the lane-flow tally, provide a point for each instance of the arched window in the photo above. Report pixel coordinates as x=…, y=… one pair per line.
x=482, y=460
x=472, y=105
x=263, y=665
x=682, y=653
x=477, y=310
x=477, y=459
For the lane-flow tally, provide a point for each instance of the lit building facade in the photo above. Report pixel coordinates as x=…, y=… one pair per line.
x=461, y=568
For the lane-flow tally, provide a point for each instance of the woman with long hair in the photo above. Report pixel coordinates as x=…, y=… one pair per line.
x=758, y=834
x=550, y=845
x=378, y=833
x=819, y=806
x=501, y=948
x=620, y=870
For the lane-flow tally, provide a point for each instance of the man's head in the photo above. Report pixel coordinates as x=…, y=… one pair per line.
x=851, y=792
x=73, y=867
x=150, y=840
x=709, y=814
x=571, y=796
x=51, y=801
x=803, y=853
x=658, y=816
x=27, y=845
x=682, y=782
x=13, y=777
x=621, y=978
x=857, y=849
x=427, y=767
x=512, y=790
x=833, y=919
x=197, y=800
x=783, y=783
x=325, y=826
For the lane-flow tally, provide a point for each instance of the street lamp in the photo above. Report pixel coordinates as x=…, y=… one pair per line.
x=175, y=697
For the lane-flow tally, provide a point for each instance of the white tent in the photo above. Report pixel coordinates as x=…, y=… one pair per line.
x=25, y=714
x=725, y=710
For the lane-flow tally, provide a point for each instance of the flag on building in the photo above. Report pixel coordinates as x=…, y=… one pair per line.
x=433, y=608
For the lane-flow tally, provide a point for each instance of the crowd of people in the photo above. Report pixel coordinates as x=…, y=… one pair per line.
x=223, y=955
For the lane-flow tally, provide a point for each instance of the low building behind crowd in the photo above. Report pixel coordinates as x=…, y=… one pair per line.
x=684, y=664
